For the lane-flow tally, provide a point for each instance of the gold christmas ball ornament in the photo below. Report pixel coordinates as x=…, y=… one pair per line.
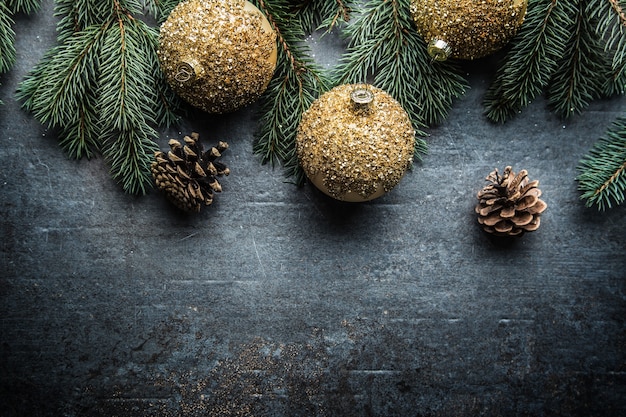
x=217, y=55
x=467, y=29
x=355, y=143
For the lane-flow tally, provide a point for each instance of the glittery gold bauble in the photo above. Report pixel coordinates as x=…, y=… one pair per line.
x=217, y=55
x=467, y=29
x=355, y=142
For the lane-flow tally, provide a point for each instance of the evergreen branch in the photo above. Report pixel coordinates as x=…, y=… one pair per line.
x=296, y=83
x=24, y=6
x=7, y=39
x=78, y=138
x=385, y=46
x=312, y=15
x=102, y=88
x=532, y=60
x=168, y=104
x=335, y=12
x=126, y=97
x=615, y=4
x=306, y=13
x=602, y=172
x=76, y=15
x=611, y=26
x=160, y=9
x=581, y=71
x=59, y=84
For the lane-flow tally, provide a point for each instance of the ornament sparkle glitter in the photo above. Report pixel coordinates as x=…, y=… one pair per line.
x=355, y=143
x=467, y=29
x=217, y=55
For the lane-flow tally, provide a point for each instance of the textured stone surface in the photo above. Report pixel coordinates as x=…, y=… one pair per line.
x=280, y=301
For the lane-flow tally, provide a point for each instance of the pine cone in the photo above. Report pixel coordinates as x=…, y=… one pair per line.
x=187, y=175
x=510, y=205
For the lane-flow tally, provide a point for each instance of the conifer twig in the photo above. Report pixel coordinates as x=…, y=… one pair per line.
x=102, y=89
x=296, y=83
x=531, y=60
x=7, y=39
x=602, y=172
x=24, y=6
x=611, y=27
x=580, y=73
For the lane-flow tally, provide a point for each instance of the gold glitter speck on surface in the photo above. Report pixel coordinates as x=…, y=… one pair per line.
x=217, y=55
x=355, y=151
x=469, y=28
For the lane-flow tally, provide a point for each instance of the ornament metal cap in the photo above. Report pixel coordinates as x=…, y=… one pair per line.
x=439, y=49
x=188, y=70
x=361, y=97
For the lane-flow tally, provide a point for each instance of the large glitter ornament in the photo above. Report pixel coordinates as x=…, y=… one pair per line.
x=467, y=29
x=218, y=55
x=355, y=143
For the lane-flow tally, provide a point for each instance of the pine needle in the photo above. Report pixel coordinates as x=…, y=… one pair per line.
x=611, y=26
x=602, y=178
x=24, y=6
x=59, y=84
x=7, y=39
x=581, y=71
x=102, y=88
x=532, y=59
x=297, y=82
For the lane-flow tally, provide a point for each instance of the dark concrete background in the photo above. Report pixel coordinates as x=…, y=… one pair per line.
x=279, y=301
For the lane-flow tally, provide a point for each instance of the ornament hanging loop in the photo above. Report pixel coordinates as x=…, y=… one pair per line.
x=187, y=71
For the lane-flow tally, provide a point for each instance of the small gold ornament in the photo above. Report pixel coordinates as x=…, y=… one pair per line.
x=467, y=29
x=355, y=143
x=217, y=55
x=510, y=205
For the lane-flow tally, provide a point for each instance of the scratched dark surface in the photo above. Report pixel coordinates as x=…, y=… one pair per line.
x=278, y=301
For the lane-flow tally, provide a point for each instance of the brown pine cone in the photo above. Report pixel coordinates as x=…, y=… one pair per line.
x=510, y=204
x=188, y=175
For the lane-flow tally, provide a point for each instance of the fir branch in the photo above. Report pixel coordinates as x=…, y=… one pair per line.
x=59, y=84
x=581, y=71
x=611, y=26
x=78, y=137
x=126, y=107
x=76, y=15
x=334, y=13
x=160, y=9
x=532, y=59
x=24, y=6
x=7, y=39
x=102, y=88
x=317, y=14
x=297, y=82
x=602, y=173
x=384, y=45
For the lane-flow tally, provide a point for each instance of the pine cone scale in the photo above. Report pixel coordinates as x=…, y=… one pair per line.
x=503, y=227
x=538, y=208
x=522, y=219
x=528, y=201
x=507, y=212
